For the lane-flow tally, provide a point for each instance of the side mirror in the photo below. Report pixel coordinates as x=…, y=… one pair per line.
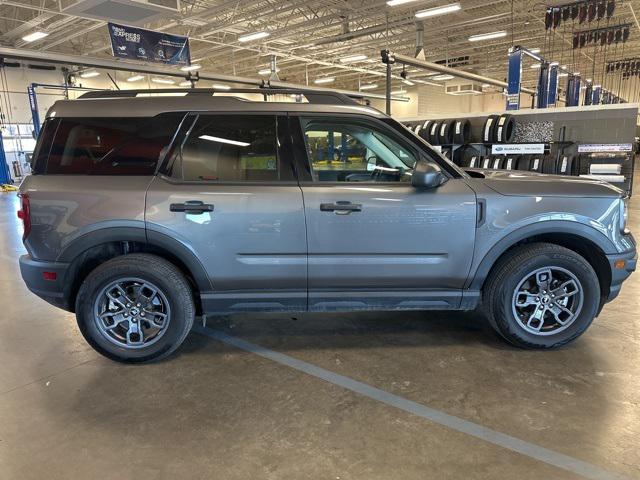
x=427, y=175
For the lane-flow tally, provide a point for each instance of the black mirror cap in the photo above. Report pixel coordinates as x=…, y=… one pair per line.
x=427, y=175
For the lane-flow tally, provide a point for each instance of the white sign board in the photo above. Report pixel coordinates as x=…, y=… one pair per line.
x=517, y=149
x=604, y=147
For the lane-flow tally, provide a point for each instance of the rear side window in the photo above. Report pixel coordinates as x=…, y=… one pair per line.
x=43, y=146
x=231, y=148
x=111, y=146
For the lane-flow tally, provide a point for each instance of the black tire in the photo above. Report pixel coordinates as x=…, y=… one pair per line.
x=549, y=165
x=565, y=165
x=497, y=162
x=424, y=131
x=499, y=290
x=486, y=163
x=511, y=162
x=445, y=132
x=150, y=268
x=505, y=129
x=489, y=129
x=434, y=129
x=523, y=163
x=535, y=163
x=462, y=132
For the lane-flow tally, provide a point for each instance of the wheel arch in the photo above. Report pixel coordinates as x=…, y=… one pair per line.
x=92, y=249
x=584, y=240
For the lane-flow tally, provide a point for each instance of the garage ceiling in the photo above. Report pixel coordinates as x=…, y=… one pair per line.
x=310, y=36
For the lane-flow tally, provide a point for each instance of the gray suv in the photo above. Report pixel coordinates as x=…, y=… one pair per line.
x=144, y=211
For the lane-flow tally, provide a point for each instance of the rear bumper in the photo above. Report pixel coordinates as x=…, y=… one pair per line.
x=622, y=265
x=52, y=291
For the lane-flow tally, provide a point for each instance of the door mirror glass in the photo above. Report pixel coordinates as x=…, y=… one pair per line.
x=427, y=175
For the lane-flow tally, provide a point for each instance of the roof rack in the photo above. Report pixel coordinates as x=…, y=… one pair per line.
x=323, y=97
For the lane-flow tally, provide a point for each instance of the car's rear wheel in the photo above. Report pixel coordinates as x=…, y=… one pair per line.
x=541, y=295
x=135, y=308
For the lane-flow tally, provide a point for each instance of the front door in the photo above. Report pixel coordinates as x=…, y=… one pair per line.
x=229, y=194
x=374, y=241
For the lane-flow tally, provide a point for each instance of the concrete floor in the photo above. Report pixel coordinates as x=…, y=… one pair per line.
x=214, y=411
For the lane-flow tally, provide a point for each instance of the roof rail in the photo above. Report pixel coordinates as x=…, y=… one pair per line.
x=324, y=97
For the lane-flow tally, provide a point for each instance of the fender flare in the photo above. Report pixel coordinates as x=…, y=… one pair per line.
x=138, y=234
x=477, y=277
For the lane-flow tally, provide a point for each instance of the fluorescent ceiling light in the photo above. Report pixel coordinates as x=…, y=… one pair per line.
x=32, y=37
x=444, y=77
x=554, y=64
x=534, y=50
x=89, y=74
x=253, y=36
x=408, y=82
x=370, y=86
x=267, y=71
x=563, y=75
x=185, y=84
x=323, y=80
x=191, y=68
x=135, y=78
x=487, y=36
x=536, y=65
x=219, y=86
x=398, y=92
x=394, y=3
x=164, y=81
x=223, y=140
x=353, y=58
x=435, y=11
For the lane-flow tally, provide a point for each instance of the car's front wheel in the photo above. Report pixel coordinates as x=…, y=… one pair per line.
x=135, y=308
x=541, y=295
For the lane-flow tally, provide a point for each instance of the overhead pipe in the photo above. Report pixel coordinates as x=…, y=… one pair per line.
x=390, y=58
x=420, y=41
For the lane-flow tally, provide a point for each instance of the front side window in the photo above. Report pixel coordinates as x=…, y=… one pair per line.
x=230, y=148
x=342, y=150
x=110, y=146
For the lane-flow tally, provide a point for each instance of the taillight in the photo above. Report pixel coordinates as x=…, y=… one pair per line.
x=24, y=214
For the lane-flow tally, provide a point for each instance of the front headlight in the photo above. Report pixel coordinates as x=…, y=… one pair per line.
x=624, y=214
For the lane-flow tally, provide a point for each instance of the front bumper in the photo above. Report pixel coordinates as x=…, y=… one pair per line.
x=33, y=274
x=622, y=265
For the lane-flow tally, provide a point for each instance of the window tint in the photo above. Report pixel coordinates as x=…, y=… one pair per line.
x=111, y=146
x=345, y=151
x=231, y=148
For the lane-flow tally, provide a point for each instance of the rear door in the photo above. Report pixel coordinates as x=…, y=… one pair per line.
x=229, y=194
x=374, y=240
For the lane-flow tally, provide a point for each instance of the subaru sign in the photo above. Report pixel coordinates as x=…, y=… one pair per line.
x=146, y=45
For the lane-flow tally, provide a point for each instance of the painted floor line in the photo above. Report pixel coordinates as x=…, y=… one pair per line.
x=503, y=440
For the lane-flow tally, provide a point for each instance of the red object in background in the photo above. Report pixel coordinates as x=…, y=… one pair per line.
x=24, y=214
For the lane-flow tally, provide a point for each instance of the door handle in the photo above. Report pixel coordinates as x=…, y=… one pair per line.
x=192, y=207
x=341, y=207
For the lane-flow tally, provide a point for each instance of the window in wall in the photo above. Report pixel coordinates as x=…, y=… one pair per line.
x=345, y=151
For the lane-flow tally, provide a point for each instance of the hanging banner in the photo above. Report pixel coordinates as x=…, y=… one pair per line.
x=146, y=45
x=543, y=86
x=514, y=80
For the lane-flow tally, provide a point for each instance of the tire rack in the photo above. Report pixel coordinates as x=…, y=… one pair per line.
x=562, y=150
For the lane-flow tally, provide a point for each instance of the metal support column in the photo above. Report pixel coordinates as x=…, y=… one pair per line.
x=5, y=175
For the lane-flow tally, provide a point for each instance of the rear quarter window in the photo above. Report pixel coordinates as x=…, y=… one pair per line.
x=110, y=146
